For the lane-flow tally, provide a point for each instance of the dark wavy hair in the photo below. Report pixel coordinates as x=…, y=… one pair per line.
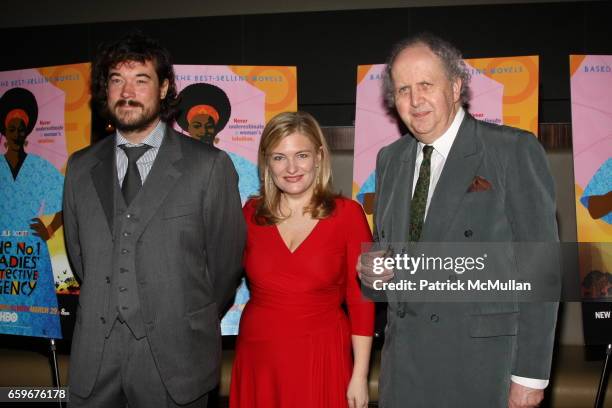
x=449, y=55
x=133, y=47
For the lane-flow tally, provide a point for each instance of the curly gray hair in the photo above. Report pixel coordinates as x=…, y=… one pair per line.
x=449, y=55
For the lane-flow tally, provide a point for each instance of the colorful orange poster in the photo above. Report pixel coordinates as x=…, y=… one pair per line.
x=591, y=87
x=228, y=106
x=44, y=117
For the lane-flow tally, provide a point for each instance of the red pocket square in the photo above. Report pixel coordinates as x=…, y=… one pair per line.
x=479, y=184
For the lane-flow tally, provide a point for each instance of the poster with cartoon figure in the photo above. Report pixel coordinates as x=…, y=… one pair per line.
x=39, y=110
x=228, y=107
x=591, y=95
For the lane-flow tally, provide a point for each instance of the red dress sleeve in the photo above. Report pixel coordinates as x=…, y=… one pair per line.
x=357, y=232
x=248, y=210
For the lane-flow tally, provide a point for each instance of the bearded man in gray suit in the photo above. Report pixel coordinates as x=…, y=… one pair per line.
x=155, y=233
x=475, y=182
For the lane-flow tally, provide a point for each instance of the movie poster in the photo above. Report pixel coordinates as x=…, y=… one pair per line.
x=504, y=91
x=228, y=107
x=44, y=117
x=591, y=93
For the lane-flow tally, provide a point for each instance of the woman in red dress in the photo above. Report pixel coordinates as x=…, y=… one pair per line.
x=297, y=347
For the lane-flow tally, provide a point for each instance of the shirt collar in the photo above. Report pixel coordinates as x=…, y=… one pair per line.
x=444, y=143
x=153, y=139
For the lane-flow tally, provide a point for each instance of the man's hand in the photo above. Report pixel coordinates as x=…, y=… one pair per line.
x=524, y=397
x=366, y=272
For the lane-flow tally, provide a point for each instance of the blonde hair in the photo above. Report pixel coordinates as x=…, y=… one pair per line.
x=322, y=204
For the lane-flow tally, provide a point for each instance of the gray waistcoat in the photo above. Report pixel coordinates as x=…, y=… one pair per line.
x=124, y=303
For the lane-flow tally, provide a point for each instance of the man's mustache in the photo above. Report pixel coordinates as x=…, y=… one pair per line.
x=128, y=102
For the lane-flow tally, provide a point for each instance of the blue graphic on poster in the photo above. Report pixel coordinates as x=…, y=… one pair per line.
x=31, y=188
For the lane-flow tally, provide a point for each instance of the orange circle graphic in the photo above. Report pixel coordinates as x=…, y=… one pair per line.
x=83, y=98
x=291, y=93
x=530, y=85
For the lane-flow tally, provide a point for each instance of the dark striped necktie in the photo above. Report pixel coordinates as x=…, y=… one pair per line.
x=132, y=181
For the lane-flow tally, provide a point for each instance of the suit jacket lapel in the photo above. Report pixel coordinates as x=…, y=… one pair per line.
x=459, y=170
x=402, y=191
x=103, y=175
x=160, y=181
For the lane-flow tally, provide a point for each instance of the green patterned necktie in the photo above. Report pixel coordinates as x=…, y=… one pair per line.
x=419, y=199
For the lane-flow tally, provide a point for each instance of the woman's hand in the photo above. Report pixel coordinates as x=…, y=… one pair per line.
x=45, y=232
x=40, y=229
x=357, y=392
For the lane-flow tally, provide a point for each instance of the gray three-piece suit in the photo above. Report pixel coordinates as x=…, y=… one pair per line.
x=169, y=261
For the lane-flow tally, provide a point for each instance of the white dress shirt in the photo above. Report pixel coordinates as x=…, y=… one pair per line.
x=145, y=162
x=442, y=147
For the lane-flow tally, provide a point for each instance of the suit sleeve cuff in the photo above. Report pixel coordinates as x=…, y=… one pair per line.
x=530, y=382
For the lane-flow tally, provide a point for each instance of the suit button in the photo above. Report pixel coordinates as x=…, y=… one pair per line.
x=125, y=251
x=434, y=318
x=401, y=313
x=103, y=320
x=124, y=308
x=468, y=233
x=122, y=289
x=107, y=279
x=382, y=233
x=126, y=234
x=128, y=215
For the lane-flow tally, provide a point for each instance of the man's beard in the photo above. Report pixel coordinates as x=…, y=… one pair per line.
x=135, y=121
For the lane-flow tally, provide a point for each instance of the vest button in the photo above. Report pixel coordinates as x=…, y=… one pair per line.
x=468, y=233
x=125, y=251
x=107, y=279
x=434, y=318
x=126, y=234
x=103, y=320
x=122, y=289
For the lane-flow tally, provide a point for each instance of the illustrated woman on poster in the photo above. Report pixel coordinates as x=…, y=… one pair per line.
x=597, y=196
x=31, y=187
x=203, y=112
